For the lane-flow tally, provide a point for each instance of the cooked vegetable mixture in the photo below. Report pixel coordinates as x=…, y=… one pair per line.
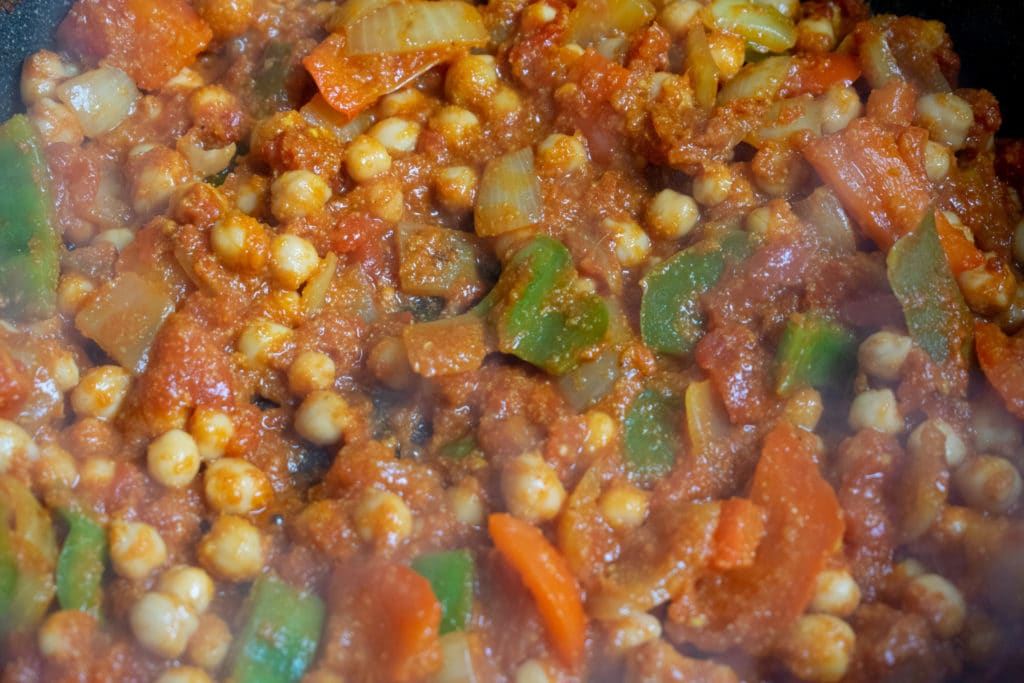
x=535, y=341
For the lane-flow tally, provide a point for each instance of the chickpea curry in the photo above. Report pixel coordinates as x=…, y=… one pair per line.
x=536, y=341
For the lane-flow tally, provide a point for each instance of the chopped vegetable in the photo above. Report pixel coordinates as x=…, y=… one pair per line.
x=435, y=261
x=417, y=25
x=814, y=351
x=459, y=655
x=451, y=576
x=738, y=534
x=509, y=197
x=937, y=316
x=280, y=635
x=960, y=250
x=593, y=20
x=700, y=64
x=459, y=448
x=545, y=574
x=707, y=423
x=28, y=553
x=407, y=645
x=447, y=346
x=815, y=73
x=81, y=564
x=29, y=247
x=651, y=434
x=1002, y=360
x=763, y=27
x=822, y=211
x=269, y=87
x=759, y=80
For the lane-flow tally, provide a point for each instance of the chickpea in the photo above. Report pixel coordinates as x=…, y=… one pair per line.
x=677, y=16
x=383, y=517
x=56, y=122
x=818, y=647
x=876, y=409
x=366, y=158
x=240, y=242
x=954, y=449
x=173, y=459
x=882, y=355
x=235, y=486
x=101, y=392
x=633, y=630
x=227, y=18
x=712, y=186
x=531, y=489
x=233, y=549
x=41, y=73
x=136, y=549
x=191, y=586
x=601, y=431
x=297, y=194
x=835, y=593
x=466, y=503
x=672, y=215
x=939, y=601
x=560, y=154
x=311, y=371
x=261, y=339
x=989, y=483
x=66, y=635
x=456, y=187
x=212, y=431
x=458, y=126
x=841, y=106
x=632, y=245
x=323, y=418
x=532, y=671
x=937, y=161
x=396, y=134
x=155, y=172
x=16, y=445
x=804, y=408
x=624, y=506
x=293, y=260
x=210, y=644
x=162, y=625
x=947, y=117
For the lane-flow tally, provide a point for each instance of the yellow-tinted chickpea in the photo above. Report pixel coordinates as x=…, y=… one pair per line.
x=235, y=486
x=841, y=106
x=162, y=625
x=712, y=186
x=989, y=483
x=632, y=245
x=601, y=430
x=55, y=469
x=173, y=459
x=72, y=291
x=818, y=647
x=531, y=488
x=954, y=450
x=382, y=517
x=386, y=200
x=366, y=158
x=98, y=473
x=101, y=391
x=297, y=194
x=232, y=550
x=882, y=354
x=210, y=644
x=677, y=16
x=155, y=173
x=190, y=585
x=624, y=506
x=835, y=593
x=120, y=238
x=728, y=52
x=66, y=635
x=876, y=409
x=292, y=260
x=633, y=630
x=947, y=118
x=937, y=160
x=16, y=445
x=64, y=371
x=458, y=126
x=471, y=80
x=397, y=135
x=261, y=339
x=536, y=15
x=136, y=549
x=455, y=187
x=311, y=371
x=323, y=417
x=560, y=154
x=184, y=674
x=227, y=18
x=240, y=242
x=672, y=215
x=407, y=101
x=466, y=503
x=390, y=364
x=804, y=408
x=212, y=431
x=938, y=601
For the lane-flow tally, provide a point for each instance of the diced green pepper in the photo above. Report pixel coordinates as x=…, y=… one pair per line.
x=937, y=315
x=459, y=448
x=28, y=551
x=451, y=577
x=670, y=317
x=652, y=434
x=81, y=564
x=539, y=315
x=269, y=87
x=29, y=246
x=814, y=351
x=280, y=635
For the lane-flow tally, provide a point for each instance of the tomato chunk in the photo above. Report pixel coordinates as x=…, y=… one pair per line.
x=1002, y=360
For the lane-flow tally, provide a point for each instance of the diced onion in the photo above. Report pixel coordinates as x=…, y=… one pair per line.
x=763, y=27
x=351, y=11
x=315, y=292
x=762, y=80
x=509, y=197
x=789, y=116
x=706, y=421
x=101, y=98
x=413, y=26
x=823, y=211
x=317, y=112
x=457, y=659
x=593, y=20
x=878, y=62
x=701, y=65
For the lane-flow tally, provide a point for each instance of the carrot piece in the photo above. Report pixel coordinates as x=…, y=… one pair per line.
x=408, y=622
x=546, y=575
x=351, y=83
x=815, y=73
x=150, y=40
x=960, y=251
x=1002, y=360
x=878, y=173
x=739, y=532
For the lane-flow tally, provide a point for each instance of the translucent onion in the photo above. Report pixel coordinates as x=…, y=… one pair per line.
x=823, y=211
x=706, y=420
x=351, y=11
x=878, y=62
x=457, y=659
x=789, y=116
x=593, y=20
x=762, y=80
x=101, y=98
x=763, y=27
x=317, y=112
x=417, y=25
x=509, y=196
x=314, y=294
x=701, y=66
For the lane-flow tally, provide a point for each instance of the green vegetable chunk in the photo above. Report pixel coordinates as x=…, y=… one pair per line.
x=280, y=635
x=28, y=552
x=538, y=314
x=814, y=351
x=451, y=577
x=652, y=434
x=937, y=315
x=81, y=564
x=670, y=317
x=29, y=247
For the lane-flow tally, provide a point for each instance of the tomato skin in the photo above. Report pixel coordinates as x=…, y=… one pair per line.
x=1002, y=360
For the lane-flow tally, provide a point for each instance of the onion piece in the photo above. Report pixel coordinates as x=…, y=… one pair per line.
x=314, y=294
x=457, y=656
x=761, y=80
x=101, y=98
x=701, y=66
x=706, y=419
x=592, y=20
x=823, y=211
x=318, y=112
x=351, y=11
x=509, y=196
x=763, y=27
x=418, y=25
x=786, y=117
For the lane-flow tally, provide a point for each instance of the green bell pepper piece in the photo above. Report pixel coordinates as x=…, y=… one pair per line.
x=538, y=315
x=280, y=635
x=451, y=577
x=269, y=86
x=81, y=564
x=937, y=315
x=28, y=551
x=670, y=317
x=459, y=448
x=814, y=351
x=29, y=246
x=652, y=434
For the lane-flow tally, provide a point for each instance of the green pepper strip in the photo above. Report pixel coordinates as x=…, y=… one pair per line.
x=651, y=434
x=81, y=564
x=280, y=635
x=937, y=315
x=539, y=316
x=451, y=577
x=29, y=248
x=814, y=351
x=670, y=317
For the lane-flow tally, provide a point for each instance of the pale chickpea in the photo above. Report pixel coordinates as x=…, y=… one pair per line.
x=883, y=353
x=560, y=154
x=226, y=18
x=210, y=644
x=989, y=483
x=173, y=459
x=155, y=173
x=937, y=600
x=240, y=242
x=184, y=674
x=212, y=430
x=16, y=446
x=397, y=135
x=261, y=339
x=389, y=363
x=101, y=391
x=954, y=451
x=672, y=215
x=532, y=671
x=233, y=549
x=136, y=549
x=297, y=194
x=311, y=371
x=712, y=186
x=41, y=73
x=236, y=486
x=632, y=631
x=536, y=15
x=466, y=503
x=835, y=593
x=840, y=107
x=408, y=101
x=937, y=160
x=382, y=517
x=947, y=117
x=632, y=245
x=65, y=635
x=624, y=506
x=323, y=418
x=98, y=473
x=162, y=625
x=876, y=409
x=458, y=126
x=818, y=647
x=366, y=158
x=55, y=469
x=293, y=260
x=119, y=238
x=456, y=186
x=192, y=586
x=72, y=291
x=601, y=431
x=531, y=488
